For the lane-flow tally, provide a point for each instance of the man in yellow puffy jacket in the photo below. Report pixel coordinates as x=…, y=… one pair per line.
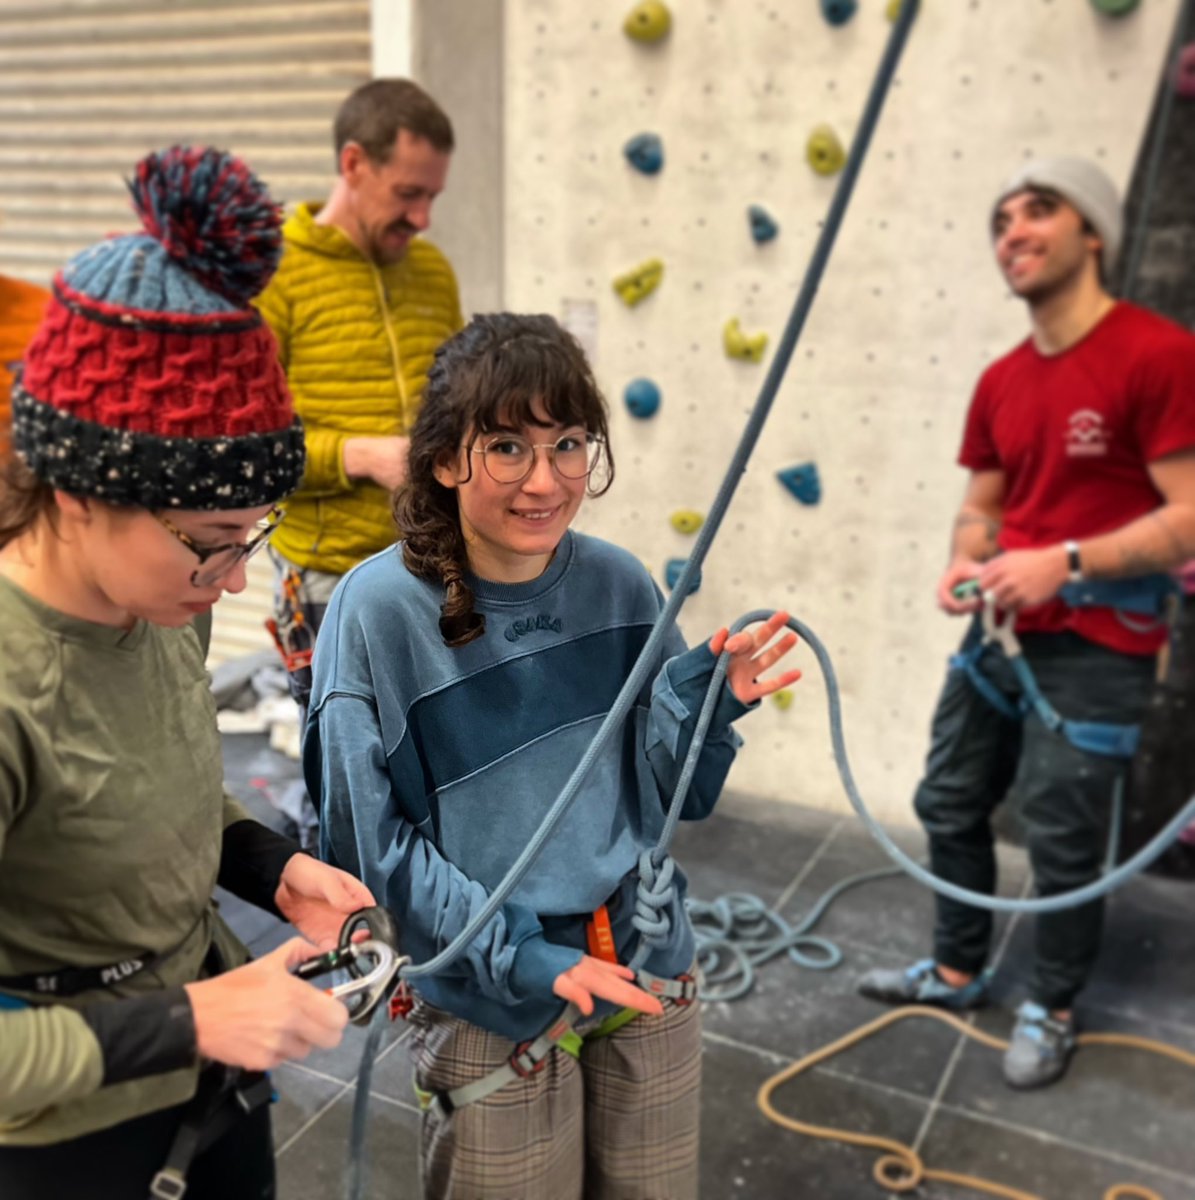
x=358, y=305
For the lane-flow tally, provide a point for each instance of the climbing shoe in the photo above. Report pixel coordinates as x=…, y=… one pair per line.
x=1040, y=1047
x=921, y=984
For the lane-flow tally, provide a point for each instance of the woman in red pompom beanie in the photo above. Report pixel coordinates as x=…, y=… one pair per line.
x=154, y=436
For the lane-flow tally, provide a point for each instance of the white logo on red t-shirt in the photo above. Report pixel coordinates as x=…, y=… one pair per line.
x=1086, y=435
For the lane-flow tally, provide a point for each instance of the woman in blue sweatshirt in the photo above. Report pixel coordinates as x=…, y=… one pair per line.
x=458, y=681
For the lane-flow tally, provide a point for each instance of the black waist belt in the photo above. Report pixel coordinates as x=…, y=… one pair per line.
x=70, y=981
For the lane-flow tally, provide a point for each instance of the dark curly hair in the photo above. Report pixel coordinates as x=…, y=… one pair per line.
x=491, y=374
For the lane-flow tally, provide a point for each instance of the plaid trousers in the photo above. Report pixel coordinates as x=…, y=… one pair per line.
x=619, y=1123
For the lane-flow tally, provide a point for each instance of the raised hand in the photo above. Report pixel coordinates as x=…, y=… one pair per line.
x=751, y=656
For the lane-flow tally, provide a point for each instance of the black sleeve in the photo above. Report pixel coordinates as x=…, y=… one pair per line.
x=144, y=1035
x=251, y=861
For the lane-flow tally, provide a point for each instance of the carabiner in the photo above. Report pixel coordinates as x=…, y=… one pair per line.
x=372, y=983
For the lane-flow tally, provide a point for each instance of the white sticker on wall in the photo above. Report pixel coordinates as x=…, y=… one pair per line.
x=580, y=318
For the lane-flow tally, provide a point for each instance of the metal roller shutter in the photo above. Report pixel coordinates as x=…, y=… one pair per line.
x=89, y=86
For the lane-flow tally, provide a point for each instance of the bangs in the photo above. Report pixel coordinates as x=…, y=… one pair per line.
x=530, y=378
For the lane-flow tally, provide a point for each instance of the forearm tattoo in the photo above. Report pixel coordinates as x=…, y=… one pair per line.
x=967, y=520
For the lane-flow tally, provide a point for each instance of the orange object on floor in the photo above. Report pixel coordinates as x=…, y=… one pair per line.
x=21, y=308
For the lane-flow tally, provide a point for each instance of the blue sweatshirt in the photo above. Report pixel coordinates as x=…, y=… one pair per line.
x=433, y=766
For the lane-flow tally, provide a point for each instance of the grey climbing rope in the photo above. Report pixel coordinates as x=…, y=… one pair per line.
x=613, y=722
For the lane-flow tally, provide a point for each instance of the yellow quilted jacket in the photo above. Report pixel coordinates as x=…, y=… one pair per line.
x=356, y=341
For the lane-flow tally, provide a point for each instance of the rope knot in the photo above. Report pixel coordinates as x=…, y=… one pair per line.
x=653, y=896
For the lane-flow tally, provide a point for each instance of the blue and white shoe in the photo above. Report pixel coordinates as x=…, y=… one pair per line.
x=921, y=984
x=1040, y=1047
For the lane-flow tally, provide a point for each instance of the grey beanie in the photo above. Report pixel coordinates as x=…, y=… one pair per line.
x=1083, y=185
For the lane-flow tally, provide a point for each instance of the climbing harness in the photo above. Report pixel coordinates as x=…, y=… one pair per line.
x=1108, y=740
x=529, y=1058
x=224, y=1096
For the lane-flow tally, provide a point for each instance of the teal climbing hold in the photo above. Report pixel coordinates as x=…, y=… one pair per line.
x=642, y=398
x=803, y=481
x=672, y=572
x=645, y=152
x=763, y=224
x=839, y=12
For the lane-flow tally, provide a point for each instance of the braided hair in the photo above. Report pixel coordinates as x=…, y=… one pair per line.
x=500, y=370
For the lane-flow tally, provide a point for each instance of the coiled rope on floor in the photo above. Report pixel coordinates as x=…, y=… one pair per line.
x=900, y=1168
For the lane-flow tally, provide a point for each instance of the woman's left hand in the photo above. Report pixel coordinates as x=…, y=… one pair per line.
x=317, y=898
x=751, y=656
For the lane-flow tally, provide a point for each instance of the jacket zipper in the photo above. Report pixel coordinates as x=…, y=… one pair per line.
x=395, y=358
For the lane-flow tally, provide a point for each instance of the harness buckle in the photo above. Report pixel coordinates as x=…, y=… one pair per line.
x=168, y=1184
x=523, y=1063
x=689, y=994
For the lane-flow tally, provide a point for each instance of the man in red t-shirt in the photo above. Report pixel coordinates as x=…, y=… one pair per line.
x=1081, y=449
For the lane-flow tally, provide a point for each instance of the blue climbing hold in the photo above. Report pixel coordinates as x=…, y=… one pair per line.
x=763, y=224
x=672, y=570
x=838, y=12
x=645, y=152
x=803, y=481
x=642, y=398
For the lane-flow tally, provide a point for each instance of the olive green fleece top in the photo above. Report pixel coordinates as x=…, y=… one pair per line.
x=112, y=810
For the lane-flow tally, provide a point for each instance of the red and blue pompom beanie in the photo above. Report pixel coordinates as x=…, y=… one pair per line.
x=151, y=381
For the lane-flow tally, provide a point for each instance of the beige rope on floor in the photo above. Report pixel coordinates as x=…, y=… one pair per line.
x=900, y=1168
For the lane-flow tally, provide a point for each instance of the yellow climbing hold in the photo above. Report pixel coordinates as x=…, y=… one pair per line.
x=782, y=698
x=640, y=281
x=893, y=9
x=738, y=344
x=685, y=520
x=649, y=21
x=824, y=151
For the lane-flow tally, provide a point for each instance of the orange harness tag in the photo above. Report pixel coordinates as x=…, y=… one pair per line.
x=601, y=936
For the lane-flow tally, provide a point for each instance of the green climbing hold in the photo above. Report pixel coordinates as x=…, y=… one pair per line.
x=783, y=698
x=824, y=151
x=737, y=344
x=649, y=21
x=685, y=520
x=640, y=281
x=1114, y=8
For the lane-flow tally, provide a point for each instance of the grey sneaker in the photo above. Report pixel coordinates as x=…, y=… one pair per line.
x=1040, y=1048
x=921, y=984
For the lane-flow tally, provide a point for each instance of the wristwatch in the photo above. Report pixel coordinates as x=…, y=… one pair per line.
x=1074, y=564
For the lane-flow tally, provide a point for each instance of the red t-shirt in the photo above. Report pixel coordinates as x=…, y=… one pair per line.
x=1074, y=434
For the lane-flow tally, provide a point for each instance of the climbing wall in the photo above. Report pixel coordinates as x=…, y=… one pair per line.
x=911, y=311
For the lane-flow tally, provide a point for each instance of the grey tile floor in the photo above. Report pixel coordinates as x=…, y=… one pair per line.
x=1118, y=1116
